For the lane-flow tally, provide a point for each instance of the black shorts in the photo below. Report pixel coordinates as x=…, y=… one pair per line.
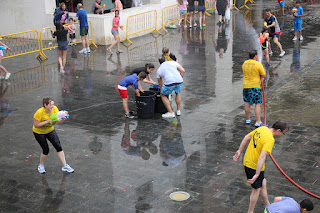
x=191, y=8
x=274, y=35
x=72, y=36
x=250, y=173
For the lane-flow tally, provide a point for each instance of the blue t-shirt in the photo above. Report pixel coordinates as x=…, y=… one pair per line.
x=130, y=80
x=82, y=16
x=299, y=12
x=276, y=28
x=286, y=205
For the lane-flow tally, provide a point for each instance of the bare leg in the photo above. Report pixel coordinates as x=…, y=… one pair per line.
x=180, y=19
x=253, y=199
x=87, y=40
x=191, y=15
x=64, y=57
x=204, y=18
x=257, y=112
x=266, y=53
x=220, y=18
x=296, y=34
x=125, y=105
x=60, y=55
x=83, y=39
x=247, y=110
x=276, y=41
x=264, y=193
x=113, y=43
x=178, y=100
x=166, y=103
x=3, y=69
x=62, y=157
x=43, y=158
x=185, y=20
x=118, y=42
x=200, y=19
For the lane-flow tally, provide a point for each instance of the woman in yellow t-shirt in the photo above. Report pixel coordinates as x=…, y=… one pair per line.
x=43, y=129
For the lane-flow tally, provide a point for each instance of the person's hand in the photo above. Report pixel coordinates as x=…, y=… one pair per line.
x=253, y=179
x=237, y=156
x=65, y=12
x=155, y=83
x=50, y=121
x=142, y=90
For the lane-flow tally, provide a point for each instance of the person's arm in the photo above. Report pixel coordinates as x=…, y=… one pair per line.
x=140, y=87
x=38, y=124
x=277, y=199
x=137, y=92
x=52, y=34
x=243, y=144
x=272, y=25
x=181, y=70
x=4, y=45
x=114, y=24
x=261, y=160
x=160, y=83
x=149, y=81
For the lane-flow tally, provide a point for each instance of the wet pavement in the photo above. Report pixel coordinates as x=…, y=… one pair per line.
x=133, y=165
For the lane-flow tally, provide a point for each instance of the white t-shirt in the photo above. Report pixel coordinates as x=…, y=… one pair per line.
x=169, y=72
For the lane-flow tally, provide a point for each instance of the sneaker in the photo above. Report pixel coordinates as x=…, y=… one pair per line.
x=128, y=115
x=168, y=115
x=261, y=124
x=282, y=53
x=248, y=121
x=7, y=76
x=84, y=50
x=41, y=169
x=67, y=168
x=294, y=38
x=190, y=26
x=270, y=52
x=88, y=50
x=301, y=38
x=178, y=112
x=195, y=24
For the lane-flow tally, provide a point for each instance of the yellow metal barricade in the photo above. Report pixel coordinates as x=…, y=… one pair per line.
x=148, y=52
x=48, y=43
x=170, y=14
x=21, y=43
x=210, y=5
x=146, y=21
x=245, y=4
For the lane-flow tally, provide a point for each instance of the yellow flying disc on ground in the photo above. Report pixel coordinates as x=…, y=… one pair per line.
x=179, y=196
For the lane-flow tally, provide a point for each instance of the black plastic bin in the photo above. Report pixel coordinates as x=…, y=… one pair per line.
x=159, y=106
x=145, y=104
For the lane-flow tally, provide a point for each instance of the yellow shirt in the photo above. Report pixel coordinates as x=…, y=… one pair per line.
x=261, y=139
x=41, y=115
x=252, y=70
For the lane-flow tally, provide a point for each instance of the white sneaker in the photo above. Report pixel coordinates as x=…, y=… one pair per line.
x=168, y=115
x=67, y=168
x=270, y=52
x=88, y=50
x=84, y=50
x=41, y=169
x=178, y=112
x=195, y=24
x=294, y=39
x=301, y=38
x=282, y=53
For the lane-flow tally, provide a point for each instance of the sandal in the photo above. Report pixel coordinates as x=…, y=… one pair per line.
x=119, y=51
x=109, y=50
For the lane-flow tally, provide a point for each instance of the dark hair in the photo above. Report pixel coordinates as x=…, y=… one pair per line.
x=280, y=125
x=116, y=11
x=142, y=75
x=267, y=10
x=165, y=50
x=306, y=204
x=61, y=4
x=46, y=101
x=59, y=26
x=150, y=66
x=298, y=2
x=70, y=19
x=264, y=29
x=79, y=6
x=252, y=54
x=161, y=60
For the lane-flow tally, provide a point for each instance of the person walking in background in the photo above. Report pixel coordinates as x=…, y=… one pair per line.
x=62, y=38
x=182, y=5
x=191, y=9
x=253, y=71
x=297, y=23
x=115, y=32
x=43, y=130
x=221, y=8
x=82, y=16
x=281, y=4
x=2, y=68
x=202, y=13
x=261, y=142
x=274, y=33
x=62, y=14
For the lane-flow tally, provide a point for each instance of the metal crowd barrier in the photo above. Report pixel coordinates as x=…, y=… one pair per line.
x=170, y=14
x=21, y=43
x=146, y=21
x=48, y=43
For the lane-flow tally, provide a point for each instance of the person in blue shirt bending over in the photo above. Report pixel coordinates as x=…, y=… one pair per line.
x=289, y=205
x=84, y=27
x=298, y=13
x=123, y=90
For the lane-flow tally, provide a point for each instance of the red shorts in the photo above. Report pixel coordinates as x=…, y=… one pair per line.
x=123, y=93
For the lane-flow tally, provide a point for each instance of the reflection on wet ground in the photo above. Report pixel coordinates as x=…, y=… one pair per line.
x=133, y=165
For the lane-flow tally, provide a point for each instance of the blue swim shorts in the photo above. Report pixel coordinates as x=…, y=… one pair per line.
x=167, y=90
x=281, y=3
x=183, y=12
x=252, y=95
x=202, y=8
x=297, y=25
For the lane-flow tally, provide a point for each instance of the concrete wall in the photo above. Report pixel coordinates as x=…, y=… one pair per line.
x=18, y=16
